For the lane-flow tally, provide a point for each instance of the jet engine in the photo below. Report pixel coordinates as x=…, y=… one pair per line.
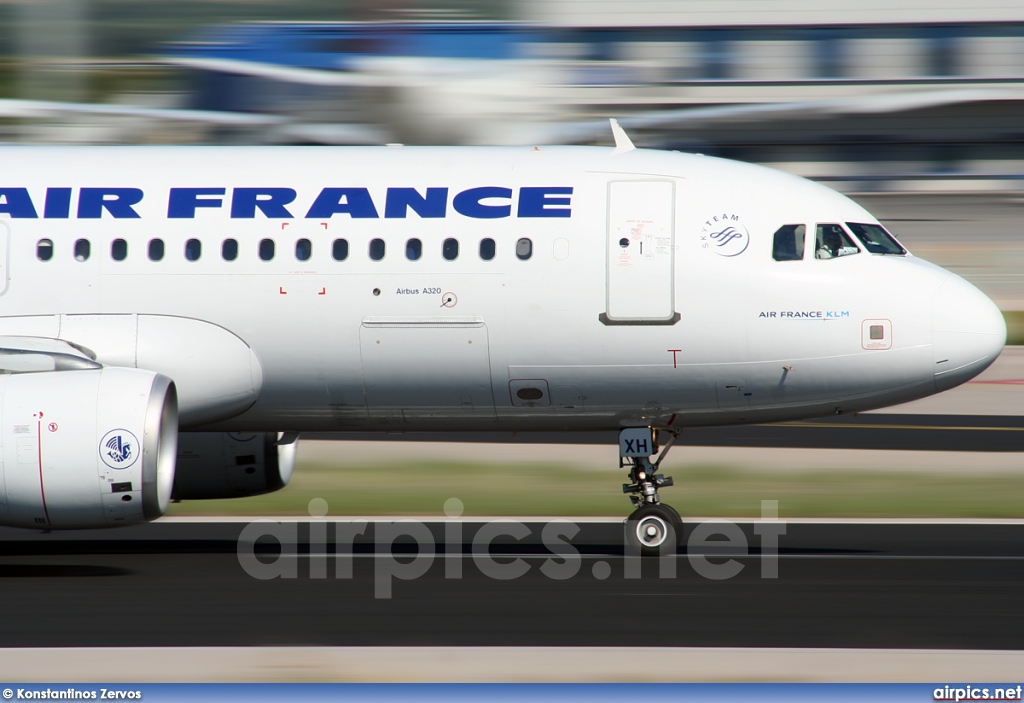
x=232, y=464
x=86, y=448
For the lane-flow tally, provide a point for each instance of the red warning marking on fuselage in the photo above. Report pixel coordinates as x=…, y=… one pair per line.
x=282, y=291
x=323, y=291
x=675, y=363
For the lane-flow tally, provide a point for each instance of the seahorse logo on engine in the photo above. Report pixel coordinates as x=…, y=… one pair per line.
x=119, y=449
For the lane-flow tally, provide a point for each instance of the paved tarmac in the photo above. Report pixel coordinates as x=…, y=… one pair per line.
x=182, y=583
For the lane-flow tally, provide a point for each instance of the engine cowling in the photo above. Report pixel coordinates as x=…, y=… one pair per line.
x=85, y=449
x=215, y=465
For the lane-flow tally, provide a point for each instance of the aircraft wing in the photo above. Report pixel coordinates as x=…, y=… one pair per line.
x=581, y=130
x=11, y=107
x=282, y=126
x=277, y=72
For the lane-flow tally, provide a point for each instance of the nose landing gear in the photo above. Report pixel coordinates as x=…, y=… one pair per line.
x=653, y=528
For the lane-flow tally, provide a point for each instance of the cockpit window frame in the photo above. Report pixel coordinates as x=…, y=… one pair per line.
x=824, y=251
x=789, y=242
x=870, y=246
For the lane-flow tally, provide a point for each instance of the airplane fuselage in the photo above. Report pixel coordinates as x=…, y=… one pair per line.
x=418, y=289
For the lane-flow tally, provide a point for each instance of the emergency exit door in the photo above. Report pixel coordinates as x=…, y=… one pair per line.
x=641, y=253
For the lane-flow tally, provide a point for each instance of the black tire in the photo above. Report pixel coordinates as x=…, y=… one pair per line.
x=653, y=530
x=678, y=520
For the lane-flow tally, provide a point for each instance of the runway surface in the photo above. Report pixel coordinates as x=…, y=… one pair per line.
x=181, y=583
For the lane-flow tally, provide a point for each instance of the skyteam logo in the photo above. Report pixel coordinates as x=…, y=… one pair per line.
x=119, y=449
x=725, y=235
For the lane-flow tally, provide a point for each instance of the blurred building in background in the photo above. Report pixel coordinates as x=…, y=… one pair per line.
x=879, y=89
x=867, y=94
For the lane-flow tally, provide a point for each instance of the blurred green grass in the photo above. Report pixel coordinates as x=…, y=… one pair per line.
x=568, y=490
x=1014, y=326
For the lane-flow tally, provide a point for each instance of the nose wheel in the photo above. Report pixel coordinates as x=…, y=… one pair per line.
x=653, y=528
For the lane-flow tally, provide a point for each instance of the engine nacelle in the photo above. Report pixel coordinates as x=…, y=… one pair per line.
x=231, y=465
x=85, y=449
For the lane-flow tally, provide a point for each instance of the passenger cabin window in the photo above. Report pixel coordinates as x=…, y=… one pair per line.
x=524, y=249
x=229, y=249
x=266, y=249
x=789, y=243
x=487, y=249
x=376, y=249
x=831, y=241
x=193, y=250
x=303, y=249
x=44, y=249
x=876, y=240
x=339, y=249
x=82, y=250
x=450, y=249
x=156, y=250
x=119, y=250
x=413, y=249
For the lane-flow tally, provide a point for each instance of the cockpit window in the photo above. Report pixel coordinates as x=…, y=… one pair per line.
x=789, y=243
x=876, y=239
x=832, y=241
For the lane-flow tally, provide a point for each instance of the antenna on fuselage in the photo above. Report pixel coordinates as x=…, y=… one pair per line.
x=622, y=141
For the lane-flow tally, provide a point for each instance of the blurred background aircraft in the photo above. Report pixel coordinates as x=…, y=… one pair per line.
x=871, y=91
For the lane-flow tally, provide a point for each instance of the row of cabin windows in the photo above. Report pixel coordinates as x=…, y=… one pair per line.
x=268, y=248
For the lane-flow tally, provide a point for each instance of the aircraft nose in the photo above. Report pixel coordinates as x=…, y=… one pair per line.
x=969, y=332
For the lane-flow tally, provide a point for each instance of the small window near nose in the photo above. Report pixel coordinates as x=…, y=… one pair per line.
x=788, y=244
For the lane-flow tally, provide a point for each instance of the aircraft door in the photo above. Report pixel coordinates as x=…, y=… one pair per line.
x=641, y=253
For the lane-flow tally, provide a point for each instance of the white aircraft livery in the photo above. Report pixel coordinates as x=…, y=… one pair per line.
x=243, y=295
